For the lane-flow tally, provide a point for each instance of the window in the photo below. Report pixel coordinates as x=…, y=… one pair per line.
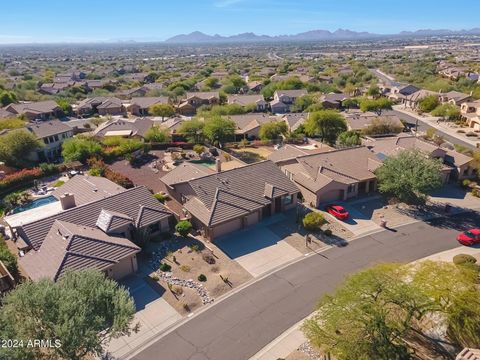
x=154, y=227
x=288, y=199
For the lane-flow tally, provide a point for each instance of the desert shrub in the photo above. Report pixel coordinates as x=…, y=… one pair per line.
x=208, y=258
x=476, y=192
x=471, y=134
x=198, y=148
x=183, y=227
x=186, y=307
x=165, y=267
x=194, y=248
x=466, y=183
x=328, y=232
x=312, y=221
x=178, y=290
x=185, y=268
x=154, y=277
x=462, y=259
x=460, y=131
x=202, y=278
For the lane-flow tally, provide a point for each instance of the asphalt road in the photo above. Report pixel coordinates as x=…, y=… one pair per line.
x=423, y=126
x=241, y=325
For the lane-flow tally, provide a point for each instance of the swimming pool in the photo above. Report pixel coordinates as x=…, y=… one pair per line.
x=206, y=163
x=35, y=204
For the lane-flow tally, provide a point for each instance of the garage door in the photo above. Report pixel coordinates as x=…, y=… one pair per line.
x=252, y=219
x=332, y=196
x=123, y=268
x=227, y=227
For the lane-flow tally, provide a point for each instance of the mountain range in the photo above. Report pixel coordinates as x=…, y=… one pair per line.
x=314, y=35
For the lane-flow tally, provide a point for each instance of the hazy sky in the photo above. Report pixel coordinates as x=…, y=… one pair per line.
x=24, y=21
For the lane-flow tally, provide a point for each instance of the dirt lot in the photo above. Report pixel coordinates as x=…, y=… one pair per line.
x=186, y=258
x=252, y=154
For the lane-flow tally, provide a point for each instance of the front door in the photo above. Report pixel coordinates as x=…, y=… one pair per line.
x=278, y=204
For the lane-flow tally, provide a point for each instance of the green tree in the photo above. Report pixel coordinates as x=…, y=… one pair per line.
x=350, y=103
x=211, y=82
x=16, y=146
x=8, y=259
x=409, y=176
x=302, y=103
x=183, y=227
x=327, y=124
x=312, y=221
x=83, y=311
x=373, y=91
x=218, y=129
x=349, y=138
x=163, y=110
x=447, y=111
x=80, y=149
x=7, y=97
x=272, y=130
x=157, y=134
x=192, y=130
x=65, y=105
x=428, y=103
x=389, y=311
x=375, y=105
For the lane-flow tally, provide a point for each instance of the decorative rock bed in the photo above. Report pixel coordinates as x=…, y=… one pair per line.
x=158, y=256
x=308, y=350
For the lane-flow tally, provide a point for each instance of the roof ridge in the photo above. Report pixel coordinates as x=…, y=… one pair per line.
x=332, y=151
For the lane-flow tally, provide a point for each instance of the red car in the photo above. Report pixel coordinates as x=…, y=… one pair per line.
x=469, y=237
x=338, y=211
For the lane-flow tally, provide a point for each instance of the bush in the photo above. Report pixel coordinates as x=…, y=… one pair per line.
x=160, y=197
x=328, y=232
x=8, y=259
x=154, y=277
x=466, y=183
x=185, y=268
x=471, y=134
x=58, y=183
x=165, y=267
x=312, y=221
x=199, y=149
x=183, y=227
x=462, y=259
x=202, y=278
x=195, y=248
x=20, y=177
x=476, y=192
x=48, y=169
x=208, y=258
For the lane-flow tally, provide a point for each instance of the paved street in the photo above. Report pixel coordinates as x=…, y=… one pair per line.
x=242, y=324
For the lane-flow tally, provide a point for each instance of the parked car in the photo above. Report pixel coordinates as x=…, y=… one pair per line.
x=469, y=237
x=338, y=211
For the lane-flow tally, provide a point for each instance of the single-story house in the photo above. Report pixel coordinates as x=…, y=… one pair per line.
x=295, y=120
x=41, y=110
x=454, y=98
x=358, y=120
x=248, y=125
x=333, y=175
x=222, y=202
x=288, y=153
x=101, y=105
x=124, y=127
x=95, y=235
x=139, y=105
x=333, y=100
x=248, y=100
x=194, y=100
x=456, y=166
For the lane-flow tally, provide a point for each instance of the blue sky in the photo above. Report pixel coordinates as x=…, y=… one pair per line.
x=26, y=21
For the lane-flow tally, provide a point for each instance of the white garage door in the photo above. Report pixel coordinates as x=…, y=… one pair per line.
x=227, y=227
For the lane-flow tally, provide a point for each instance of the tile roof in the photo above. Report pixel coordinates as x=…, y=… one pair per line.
x=233, y=193
x=358, y=120
x=146, y=102
x=131, y=202
x=245, y=99
x=69, y=246
x=88, y=189
x=345, y=166
x=185, y=172
x=34, y=107
x=44, y=129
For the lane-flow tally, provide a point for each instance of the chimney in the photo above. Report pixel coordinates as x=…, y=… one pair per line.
x=218, y=165
x=67, y=201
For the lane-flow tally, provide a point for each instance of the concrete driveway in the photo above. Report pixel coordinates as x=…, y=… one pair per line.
x=358, y=222
x=456, y=196
x=153, y=314
x=258, y=249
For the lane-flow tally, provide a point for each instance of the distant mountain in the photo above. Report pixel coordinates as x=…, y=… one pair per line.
x=314, y=35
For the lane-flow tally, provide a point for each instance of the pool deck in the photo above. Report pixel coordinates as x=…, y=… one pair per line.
x=26, y=217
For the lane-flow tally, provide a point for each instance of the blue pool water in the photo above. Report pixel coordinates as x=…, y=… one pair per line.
x=35, y=204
